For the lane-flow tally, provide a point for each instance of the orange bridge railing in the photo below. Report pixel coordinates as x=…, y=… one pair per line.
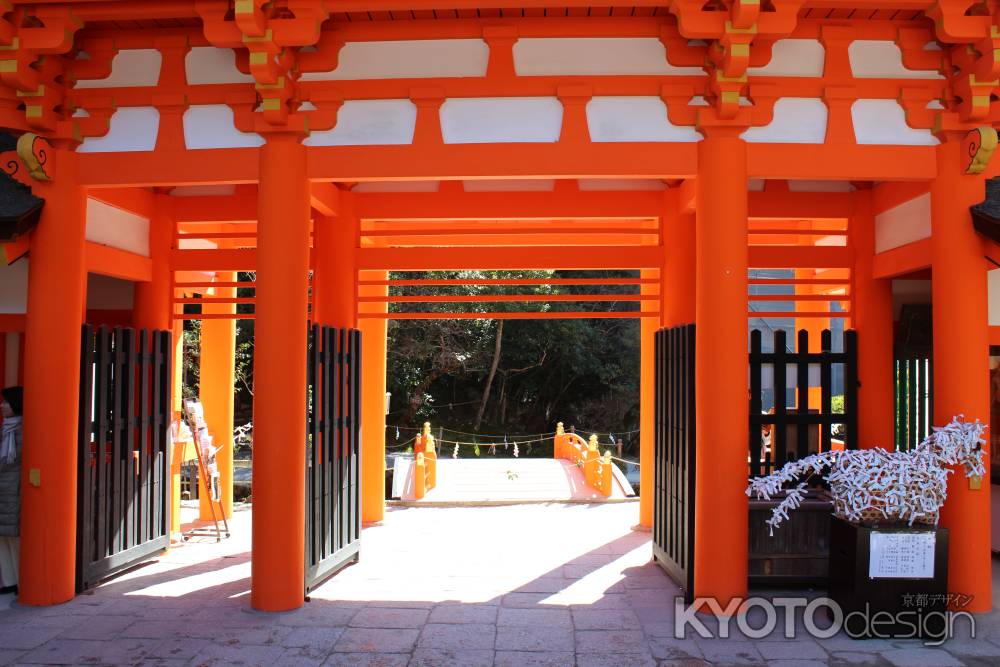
x=596, y=468
x=425, y=470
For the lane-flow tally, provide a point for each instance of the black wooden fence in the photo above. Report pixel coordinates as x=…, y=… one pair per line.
x=800, y=429
x=914, y=394
x=674, y=455
x=333, y=485
x=124, y=450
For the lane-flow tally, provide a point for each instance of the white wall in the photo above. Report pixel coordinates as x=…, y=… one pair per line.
x=116, y=228
x=14, y=286
x=906, y=223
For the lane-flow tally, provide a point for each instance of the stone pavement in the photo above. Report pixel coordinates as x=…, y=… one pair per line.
x=528, y=585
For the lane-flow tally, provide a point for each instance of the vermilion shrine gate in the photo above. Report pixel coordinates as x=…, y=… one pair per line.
x=181, y=142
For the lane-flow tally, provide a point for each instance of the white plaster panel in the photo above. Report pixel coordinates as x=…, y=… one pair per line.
x=114, y=227
x=555, y=56
x=884, y=122
x=107, y=293
x=369, y=122
x=634, y=119
x=484, y=120
x=993, y=278
x=12, y=345
x=208, y=64
x=132, y=129
x=793, y=57
x=397, y=186
x=882, y=59
x=14, y=286
x=906, y=223
x=797, y=120
x=407, y=59
x=130, y=68
x=510, y=185
x=211, y=126
x=621, y=184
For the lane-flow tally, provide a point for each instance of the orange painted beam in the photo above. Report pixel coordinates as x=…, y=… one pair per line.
x=841, y=162
x=512, y=281
x=790, y=257
x=905, y=259
x=107, y=261
x=453, y=259
x=818, y=206
x=134, y=200
x=237, y=208
x=325, y=198
x=520, y=238
x=557, y=205
x=516, y=160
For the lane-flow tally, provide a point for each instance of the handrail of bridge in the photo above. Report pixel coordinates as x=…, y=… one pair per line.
x=425, y=467
x=596, y=468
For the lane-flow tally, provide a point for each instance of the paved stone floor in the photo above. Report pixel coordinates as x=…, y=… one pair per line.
x=544, y=585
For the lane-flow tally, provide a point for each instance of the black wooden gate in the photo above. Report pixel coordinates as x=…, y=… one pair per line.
x=801, y=429
x=674, y=455
x=124, y=450
x=333, y=445
x=914, y=394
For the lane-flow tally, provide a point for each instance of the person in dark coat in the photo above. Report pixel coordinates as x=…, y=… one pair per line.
x=11, y=402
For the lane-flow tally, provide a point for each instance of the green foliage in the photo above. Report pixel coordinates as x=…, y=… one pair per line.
x=583, y=372
x=837, y=404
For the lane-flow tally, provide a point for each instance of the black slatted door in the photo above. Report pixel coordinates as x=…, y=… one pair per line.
x=124, y=450
x=333, y=453
x=674, y=455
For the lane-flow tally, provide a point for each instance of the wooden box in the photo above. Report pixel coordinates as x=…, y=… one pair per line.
x=798, y=553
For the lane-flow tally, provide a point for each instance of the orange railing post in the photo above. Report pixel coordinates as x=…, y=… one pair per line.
x=591, y=462
x=559, y=442
x=605, y=486
x=419, y=477
x=430, y=460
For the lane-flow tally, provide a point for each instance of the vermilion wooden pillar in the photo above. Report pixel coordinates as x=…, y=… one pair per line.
x=218, y=375
x=961, y=363
x=335, y=290
x=277, y=572
x=152, y=299
x=677, y=289
x=373, y=369
x=721, y=368
x=56, y=296
x=872, y=319
x=647, y=398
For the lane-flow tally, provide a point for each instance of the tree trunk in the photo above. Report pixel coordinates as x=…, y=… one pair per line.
x=489, y=379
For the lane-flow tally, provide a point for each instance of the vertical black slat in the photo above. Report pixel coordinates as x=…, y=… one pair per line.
x=779, y=438
x=851, y=440
x=320, y=443
x=160, y=487
x=657, y=423
x=340, y=447
x=103, y=361
x=143, y=497
x=678, y=453
x=118, y=444
x=911, y=415
x=756, y=407
x=356, y=430
x=129, y=537
x=85, y=489
x=679, y=537
x=690, y=430
x=311, y=397
x=826, y=389
x=662, y=465
x=921, y=402
x=330, y=439
x=929, y=400
x=897, y=386
x=802, y=392
x=670, y=455
x=313, y=452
